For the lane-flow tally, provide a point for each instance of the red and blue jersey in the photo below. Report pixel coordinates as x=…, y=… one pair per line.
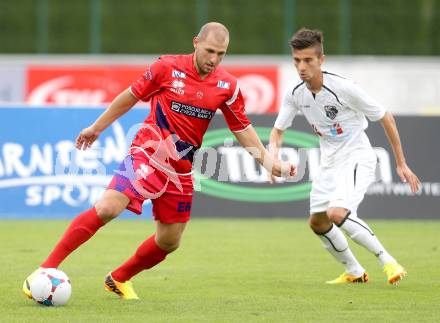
x=182, y=106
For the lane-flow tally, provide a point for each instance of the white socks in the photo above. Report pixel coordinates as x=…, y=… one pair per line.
x=336, y=243
x=361, y=233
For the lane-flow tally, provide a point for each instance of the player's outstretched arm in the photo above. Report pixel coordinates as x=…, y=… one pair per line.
x=275, y=142
x=249, y=139
x=120, y=105
x=404, y=172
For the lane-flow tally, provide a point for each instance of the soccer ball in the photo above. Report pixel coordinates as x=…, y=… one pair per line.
x=51, y=287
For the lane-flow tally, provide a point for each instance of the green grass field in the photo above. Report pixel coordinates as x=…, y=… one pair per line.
x=226, y=271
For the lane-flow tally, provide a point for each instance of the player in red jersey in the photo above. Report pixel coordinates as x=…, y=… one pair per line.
x=185, y=92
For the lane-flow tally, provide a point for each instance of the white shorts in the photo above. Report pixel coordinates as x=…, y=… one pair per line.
x=343, y=185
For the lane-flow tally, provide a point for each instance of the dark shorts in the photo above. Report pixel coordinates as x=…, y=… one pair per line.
x=141, y=179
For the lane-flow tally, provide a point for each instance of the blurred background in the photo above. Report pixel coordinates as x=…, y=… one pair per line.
x=352, y=27
x=62, y=62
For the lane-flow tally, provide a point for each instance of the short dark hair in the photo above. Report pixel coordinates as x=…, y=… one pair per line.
x=305, y=38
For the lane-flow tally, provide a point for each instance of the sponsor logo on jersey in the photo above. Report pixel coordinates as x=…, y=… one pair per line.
x=336, y=129
x=224, y=85
x=177, y=87
x=178, y=74
x=178, y=84
x=331, y=111
x=177, y=91
x=148, y=75
x=192, y=111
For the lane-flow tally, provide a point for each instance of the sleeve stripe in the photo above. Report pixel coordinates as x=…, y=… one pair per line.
x=238, y=119
x=248, y=126
x=234, y=96
x=131, y=90
x=142, y=98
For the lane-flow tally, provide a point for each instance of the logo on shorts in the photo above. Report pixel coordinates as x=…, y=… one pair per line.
x=184, y=207
x=331, y=111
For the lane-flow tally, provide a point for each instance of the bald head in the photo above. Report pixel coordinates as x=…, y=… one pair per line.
x=210, y=47
x=214, y=29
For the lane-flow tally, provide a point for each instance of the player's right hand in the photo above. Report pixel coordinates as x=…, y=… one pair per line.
x=86, y=138
x=282, y=169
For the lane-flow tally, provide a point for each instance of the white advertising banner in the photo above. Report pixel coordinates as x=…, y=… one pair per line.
x=12, y=84
x=404, y=85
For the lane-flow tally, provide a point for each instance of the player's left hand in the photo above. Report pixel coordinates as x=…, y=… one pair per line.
x=407, y=176
x=86, y=138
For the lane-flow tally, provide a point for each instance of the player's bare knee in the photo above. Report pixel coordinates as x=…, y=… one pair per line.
x=169, y=244
x=168, y=235
x=106, y=211
x=319, y=223
x=336, y=215
x=315, y=224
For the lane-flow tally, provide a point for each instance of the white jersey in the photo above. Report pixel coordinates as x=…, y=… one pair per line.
x=336, y=113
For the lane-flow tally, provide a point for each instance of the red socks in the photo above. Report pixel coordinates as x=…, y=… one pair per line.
x=81, y=229
x=147, y=255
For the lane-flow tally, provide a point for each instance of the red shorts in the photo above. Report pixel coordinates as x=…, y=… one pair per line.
x=140, y=179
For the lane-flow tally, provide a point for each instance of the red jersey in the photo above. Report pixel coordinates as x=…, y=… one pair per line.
x=182, y=106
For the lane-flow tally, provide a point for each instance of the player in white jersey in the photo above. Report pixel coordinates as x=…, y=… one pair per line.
x=337, y=108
